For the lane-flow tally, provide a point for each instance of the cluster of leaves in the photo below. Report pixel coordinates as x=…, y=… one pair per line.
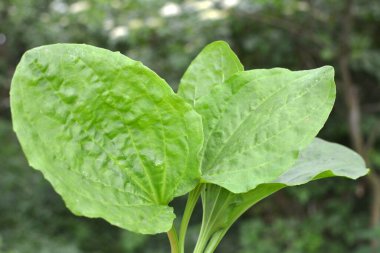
x=294, y=34
x=96, y=119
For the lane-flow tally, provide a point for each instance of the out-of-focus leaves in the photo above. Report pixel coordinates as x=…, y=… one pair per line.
x=369, y=62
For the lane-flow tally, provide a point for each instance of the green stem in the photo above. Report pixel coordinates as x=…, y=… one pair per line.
x=202, y=242
x=212, y=208
x=173, y=239
x=214, y=241
x=190, y=204
x=203, y=236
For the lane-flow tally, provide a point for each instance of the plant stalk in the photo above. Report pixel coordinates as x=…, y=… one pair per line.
x=173, y=239
x=214, y=241
x=190, y=204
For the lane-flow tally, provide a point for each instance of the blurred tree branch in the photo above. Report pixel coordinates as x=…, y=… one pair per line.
x=352, y=100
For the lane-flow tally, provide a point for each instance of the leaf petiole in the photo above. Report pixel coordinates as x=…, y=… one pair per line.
x=190, y=204
x=173, y=239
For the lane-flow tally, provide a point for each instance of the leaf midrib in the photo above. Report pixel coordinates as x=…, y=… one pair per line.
x=263, y=125
x=55, y=92
x=291, y=125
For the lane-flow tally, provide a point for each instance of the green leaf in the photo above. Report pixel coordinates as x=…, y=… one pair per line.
x=108, y=133
x=258, y=120
x=320, y=159
x=324, y=159
x=214, y=64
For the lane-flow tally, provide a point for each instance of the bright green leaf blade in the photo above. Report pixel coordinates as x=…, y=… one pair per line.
x=257, y=121
x=324, y=159
x=214, y=64
x=320, y=159
x=107, y=132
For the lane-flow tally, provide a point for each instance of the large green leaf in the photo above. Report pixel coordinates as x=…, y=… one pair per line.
x=320, y=159
x=258, y=120
x=214, y=64
x=108, y=133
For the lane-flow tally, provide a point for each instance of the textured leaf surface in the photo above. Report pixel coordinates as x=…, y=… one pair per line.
x=257, y=121
x=320, y=159
x=214, y=64
x=108, y=133
x=324, y=159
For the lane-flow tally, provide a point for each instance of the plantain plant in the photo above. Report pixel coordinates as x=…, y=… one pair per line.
x=117, y=143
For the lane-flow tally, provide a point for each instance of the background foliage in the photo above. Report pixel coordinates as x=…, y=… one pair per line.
x=333, y=215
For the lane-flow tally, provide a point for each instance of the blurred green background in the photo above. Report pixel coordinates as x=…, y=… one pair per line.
x=332, y=216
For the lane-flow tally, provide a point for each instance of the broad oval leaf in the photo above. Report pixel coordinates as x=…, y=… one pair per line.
x=258, y=120
x=320, y=159
x=213, y=65
x=107, y=132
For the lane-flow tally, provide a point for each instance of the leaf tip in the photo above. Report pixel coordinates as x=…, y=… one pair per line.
x=328, y=69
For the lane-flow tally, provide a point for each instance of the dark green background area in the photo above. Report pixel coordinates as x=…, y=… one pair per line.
x=332, y=215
